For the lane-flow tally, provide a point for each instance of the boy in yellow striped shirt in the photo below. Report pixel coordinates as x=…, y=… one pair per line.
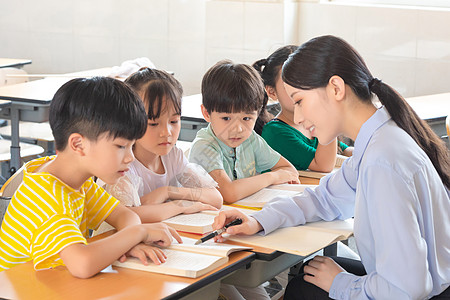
x=95, y=123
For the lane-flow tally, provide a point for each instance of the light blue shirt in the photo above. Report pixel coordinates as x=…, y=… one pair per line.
x=401, y=210
x=250, y=158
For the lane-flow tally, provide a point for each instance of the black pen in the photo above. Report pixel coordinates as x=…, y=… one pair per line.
x=218, y=231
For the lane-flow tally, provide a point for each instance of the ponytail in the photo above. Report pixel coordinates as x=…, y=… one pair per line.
x=268, y=69
x=407, y=119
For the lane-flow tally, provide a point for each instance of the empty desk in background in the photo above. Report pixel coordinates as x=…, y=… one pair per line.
x=30, y=102
x=191, y=117
x=13, y=62
x=433, y=109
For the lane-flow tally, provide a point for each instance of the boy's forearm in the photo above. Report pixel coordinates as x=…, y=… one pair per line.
x=84, y=261
x=241, y=188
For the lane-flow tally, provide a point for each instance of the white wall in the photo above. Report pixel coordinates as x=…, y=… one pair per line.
x=410, y=49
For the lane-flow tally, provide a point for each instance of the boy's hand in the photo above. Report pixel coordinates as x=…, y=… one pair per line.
x=249, y=225
x=281, y=176
x=143, y=251
x=160, y=234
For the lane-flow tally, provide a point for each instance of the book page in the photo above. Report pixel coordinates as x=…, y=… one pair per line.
x=300, y=188
x=260, y=198
x=209, y=247
x=180, y=263
x=300, y=240
x=341, y=227
x=196, y=223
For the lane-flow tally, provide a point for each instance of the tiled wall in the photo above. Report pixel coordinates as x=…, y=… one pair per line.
x=407, y=48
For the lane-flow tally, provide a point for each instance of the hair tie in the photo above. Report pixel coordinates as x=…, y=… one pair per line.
x=373, y=82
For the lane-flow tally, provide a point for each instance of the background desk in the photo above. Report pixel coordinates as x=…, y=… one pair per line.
x=23, y=282
x=433, y=109
x=30, y=102
x=13, y=62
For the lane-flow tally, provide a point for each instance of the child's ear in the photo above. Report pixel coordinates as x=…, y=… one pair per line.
x=336, y=87
x=205, y=114
x=76, y=143
x=271, y=92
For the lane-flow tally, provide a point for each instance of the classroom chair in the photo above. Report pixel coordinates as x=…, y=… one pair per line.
x=27, y=152
x=8, y=189
x=33, y=133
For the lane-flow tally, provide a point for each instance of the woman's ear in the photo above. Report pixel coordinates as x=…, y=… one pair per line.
x=271, y=92
x=336, y=87
x=76, y=143
x=205, y=114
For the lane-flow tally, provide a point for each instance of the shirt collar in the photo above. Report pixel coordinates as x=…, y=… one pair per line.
x=229, y=151
x=380, y=117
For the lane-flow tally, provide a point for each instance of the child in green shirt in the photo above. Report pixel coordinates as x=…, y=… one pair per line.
x=291, y=140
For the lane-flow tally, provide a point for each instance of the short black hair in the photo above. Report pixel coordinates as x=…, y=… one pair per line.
x=93, y=106
x=159, y=89
x=230, y=88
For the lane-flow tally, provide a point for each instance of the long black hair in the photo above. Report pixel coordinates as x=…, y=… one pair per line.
x=315, y=62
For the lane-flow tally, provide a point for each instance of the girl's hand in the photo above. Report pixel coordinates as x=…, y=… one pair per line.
x=249, y=225
x=157, y=196
x=160, y=234
x=281, y=176
x=321, y=272
x=190, y=207
x=143, y=251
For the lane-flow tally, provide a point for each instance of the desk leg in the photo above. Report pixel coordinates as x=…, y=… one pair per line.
x=15, y=147
x=330, y=250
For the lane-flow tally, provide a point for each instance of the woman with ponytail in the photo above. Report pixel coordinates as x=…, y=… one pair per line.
x=396, y=184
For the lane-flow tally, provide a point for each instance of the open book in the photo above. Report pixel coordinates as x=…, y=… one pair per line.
x=301, y=240
x=187, y=259
x=315, y=174
x=260, y=198
x=200, y=222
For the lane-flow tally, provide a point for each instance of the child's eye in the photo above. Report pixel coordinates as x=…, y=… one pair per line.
x=120, y=146
x=298, y=102
x=174, y=122
x=247, y=118
x=226, y=118
x=153, y=124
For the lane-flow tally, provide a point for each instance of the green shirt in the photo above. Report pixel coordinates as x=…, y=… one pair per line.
x=291, y=143
x=250, y=158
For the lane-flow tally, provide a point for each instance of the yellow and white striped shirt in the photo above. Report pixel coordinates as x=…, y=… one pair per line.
x=46, y=215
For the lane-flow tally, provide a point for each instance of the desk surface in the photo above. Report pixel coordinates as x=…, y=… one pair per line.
x=190, y=108
x=23, y=282
x=431, y=107
x=13, y=62
x=42, y=91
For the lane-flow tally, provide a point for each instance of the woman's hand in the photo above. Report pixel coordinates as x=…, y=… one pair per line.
x=321, y=272
x=143, y=251
x=249, y=225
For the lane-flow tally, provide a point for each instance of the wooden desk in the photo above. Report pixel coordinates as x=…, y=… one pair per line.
x=23, y=282
x=13, y=62
x=308, y=180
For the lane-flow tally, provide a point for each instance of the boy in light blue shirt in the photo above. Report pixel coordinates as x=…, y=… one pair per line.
x=229, y=150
